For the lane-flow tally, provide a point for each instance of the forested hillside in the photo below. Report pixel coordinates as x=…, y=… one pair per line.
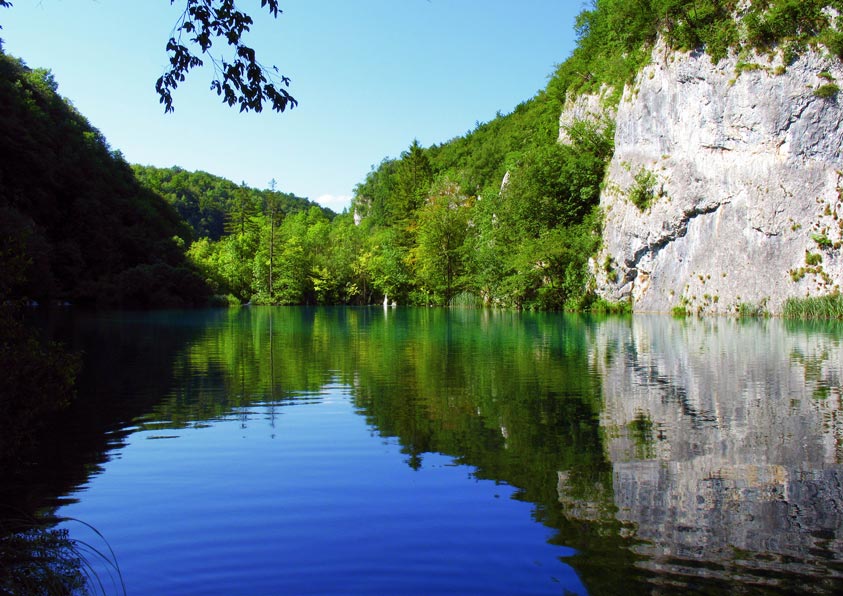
x=75, y=223
x=507, y=214
x=205, y=202
x=504, y=215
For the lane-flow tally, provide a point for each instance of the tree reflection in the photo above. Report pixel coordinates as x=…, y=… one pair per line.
x=669, y=453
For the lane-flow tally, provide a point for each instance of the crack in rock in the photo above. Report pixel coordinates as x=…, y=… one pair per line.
x=677, y=231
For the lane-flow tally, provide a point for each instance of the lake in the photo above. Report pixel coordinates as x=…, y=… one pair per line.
x=430, y=451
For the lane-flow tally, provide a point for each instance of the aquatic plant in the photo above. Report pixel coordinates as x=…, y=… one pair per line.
x=817, y=307
x=37, y=557
x=603, y=306
x=466, y=300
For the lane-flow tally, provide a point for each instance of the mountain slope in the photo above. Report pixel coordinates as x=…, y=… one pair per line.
x=76, y=225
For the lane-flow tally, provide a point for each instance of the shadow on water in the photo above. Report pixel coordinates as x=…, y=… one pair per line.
x=695, y=455
x=127, y=367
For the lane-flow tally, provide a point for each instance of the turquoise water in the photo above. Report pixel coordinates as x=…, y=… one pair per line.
x=422, y=451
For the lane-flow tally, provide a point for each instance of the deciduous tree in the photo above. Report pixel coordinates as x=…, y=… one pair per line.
x=239, y=79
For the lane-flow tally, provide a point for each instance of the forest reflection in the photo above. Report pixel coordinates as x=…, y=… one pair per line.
x=705, y=449
x=669, y=453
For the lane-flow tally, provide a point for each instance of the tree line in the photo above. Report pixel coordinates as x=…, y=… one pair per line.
x=431, y=227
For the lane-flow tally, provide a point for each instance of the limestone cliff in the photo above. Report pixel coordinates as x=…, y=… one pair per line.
x=737, y=169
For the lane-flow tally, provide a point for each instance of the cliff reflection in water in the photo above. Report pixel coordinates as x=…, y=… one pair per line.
x=689, y=454
x=725, y=443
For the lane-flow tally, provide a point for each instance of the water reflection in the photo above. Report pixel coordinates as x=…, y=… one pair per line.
x=699, y=454
x=725, y=444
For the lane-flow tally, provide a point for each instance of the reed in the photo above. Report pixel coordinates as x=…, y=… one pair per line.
x=607, y=307
x=750, y=310
x=818, y=307
x=36, y=557
x=466, y=300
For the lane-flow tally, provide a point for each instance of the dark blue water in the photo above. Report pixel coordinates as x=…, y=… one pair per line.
x=363, y=451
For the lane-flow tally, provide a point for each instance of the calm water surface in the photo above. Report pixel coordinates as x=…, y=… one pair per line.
x=401, y=451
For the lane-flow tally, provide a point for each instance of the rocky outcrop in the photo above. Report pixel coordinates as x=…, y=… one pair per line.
x=737, y=171
x=589, y=107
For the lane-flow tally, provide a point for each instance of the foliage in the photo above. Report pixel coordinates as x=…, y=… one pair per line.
x=752, y=310
x=603, y=306
x=827, y=91
x=40, y=558
x=419, y=236
x=438, y=258
x=240, y=79
x=40, y=561
x=615, y=37
x=210, y=203
x=819, y=307
x=466, y=299
x=822, y=240
x=505, y=214
x=642, y=193
x=38, y=382
x=524, y=243
x=73, y=206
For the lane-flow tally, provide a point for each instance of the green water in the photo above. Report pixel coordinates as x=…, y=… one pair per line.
x=291, y=450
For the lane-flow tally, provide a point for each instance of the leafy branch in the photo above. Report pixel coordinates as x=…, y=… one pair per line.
x=241, y=79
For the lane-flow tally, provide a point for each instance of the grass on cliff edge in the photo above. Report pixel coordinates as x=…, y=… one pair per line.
x=820, y=307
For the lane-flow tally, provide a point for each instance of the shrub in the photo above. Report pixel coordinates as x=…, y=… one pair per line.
x=822, y=240
x=607, y=307
x=827, y=91
x=751, y=310
x=643, y=190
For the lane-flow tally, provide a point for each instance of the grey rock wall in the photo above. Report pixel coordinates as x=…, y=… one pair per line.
x=743, y=164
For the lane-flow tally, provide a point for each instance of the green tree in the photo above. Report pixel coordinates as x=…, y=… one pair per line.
x=412, y=180
x=236, y=263
x=373, y=198
x=439, y=255
x=385, y=261
x=241, y=216
x=272, y=213
x=344, y=244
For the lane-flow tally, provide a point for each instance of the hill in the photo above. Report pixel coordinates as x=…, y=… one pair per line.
x=205, y=201
x=582, y=196
x=75, y=223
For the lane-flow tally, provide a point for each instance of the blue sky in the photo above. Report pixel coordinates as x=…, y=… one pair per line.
x=370, y=76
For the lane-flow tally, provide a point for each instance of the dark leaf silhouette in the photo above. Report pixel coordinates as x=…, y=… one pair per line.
x=238, y=80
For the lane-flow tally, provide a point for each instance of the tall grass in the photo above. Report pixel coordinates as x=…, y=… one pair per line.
x=750, y=310
x=819, y=307
x=607, y=307
x=466, y=300
x=36, y=557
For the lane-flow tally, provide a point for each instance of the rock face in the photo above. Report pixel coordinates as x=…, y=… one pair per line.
x=742, y=166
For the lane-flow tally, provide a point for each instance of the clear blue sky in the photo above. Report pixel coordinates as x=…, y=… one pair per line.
x=370, y=76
